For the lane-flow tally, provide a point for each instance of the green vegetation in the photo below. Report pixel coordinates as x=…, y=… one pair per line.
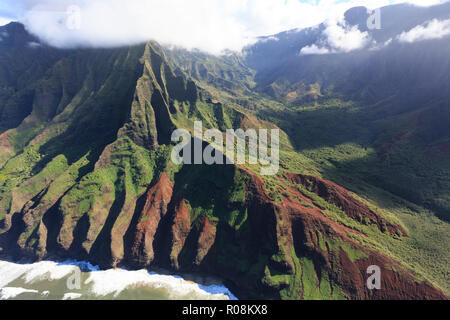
x=77, y=171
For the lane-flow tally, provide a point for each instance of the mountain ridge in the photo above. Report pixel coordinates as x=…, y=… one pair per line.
x=116, y=199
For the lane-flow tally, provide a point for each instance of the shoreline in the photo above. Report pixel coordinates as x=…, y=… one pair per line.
x=157, y=277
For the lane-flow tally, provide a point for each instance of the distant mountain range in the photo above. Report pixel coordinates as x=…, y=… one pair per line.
x=402, y=87
x=85, y=168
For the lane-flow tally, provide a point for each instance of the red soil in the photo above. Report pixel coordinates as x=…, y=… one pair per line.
x=289, y=226
x=303, y=227
x=342, y=198
x=155, y=208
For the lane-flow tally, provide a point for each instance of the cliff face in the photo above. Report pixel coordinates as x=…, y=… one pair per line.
x=87, y=175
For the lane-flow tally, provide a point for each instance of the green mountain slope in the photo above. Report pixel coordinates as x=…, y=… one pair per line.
x=379, y=113
x=87, y=175
x=345, y=141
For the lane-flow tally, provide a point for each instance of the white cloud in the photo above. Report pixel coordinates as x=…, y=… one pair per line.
x=210, y=25
x=345, y=39
x=338, y=38
x=314, y=49
x=425, y=3
x=4, y=21
x=34, y=45
x=270, y=38
x=434, y=29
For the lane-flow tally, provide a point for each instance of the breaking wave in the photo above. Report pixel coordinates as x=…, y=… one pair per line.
x=70, y=280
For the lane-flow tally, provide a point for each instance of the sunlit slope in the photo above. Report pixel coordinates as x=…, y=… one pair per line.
x=88, y=175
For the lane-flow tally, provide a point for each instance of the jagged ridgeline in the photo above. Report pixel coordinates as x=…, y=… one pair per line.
x=86, y=174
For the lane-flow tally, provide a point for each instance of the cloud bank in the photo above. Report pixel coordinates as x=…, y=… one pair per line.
x=4, y=21
x=338, y=38
x=209, y=25
x=434, y=29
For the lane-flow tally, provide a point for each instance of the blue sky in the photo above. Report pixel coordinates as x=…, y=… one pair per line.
x=211, y=25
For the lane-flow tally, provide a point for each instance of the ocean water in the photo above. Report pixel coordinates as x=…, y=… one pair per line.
x=72, y=280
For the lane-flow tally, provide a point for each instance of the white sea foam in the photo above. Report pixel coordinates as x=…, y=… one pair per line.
x=109, y=283
x=12, y=292
x=72, y=296
x=215, y=289
x=31, y=273
x=45, y=293
x=83, y=265
x=115, y=281
x=47, y=270
x=11, y=271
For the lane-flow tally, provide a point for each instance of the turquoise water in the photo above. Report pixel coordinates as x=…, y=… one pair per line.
x=71, y=280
